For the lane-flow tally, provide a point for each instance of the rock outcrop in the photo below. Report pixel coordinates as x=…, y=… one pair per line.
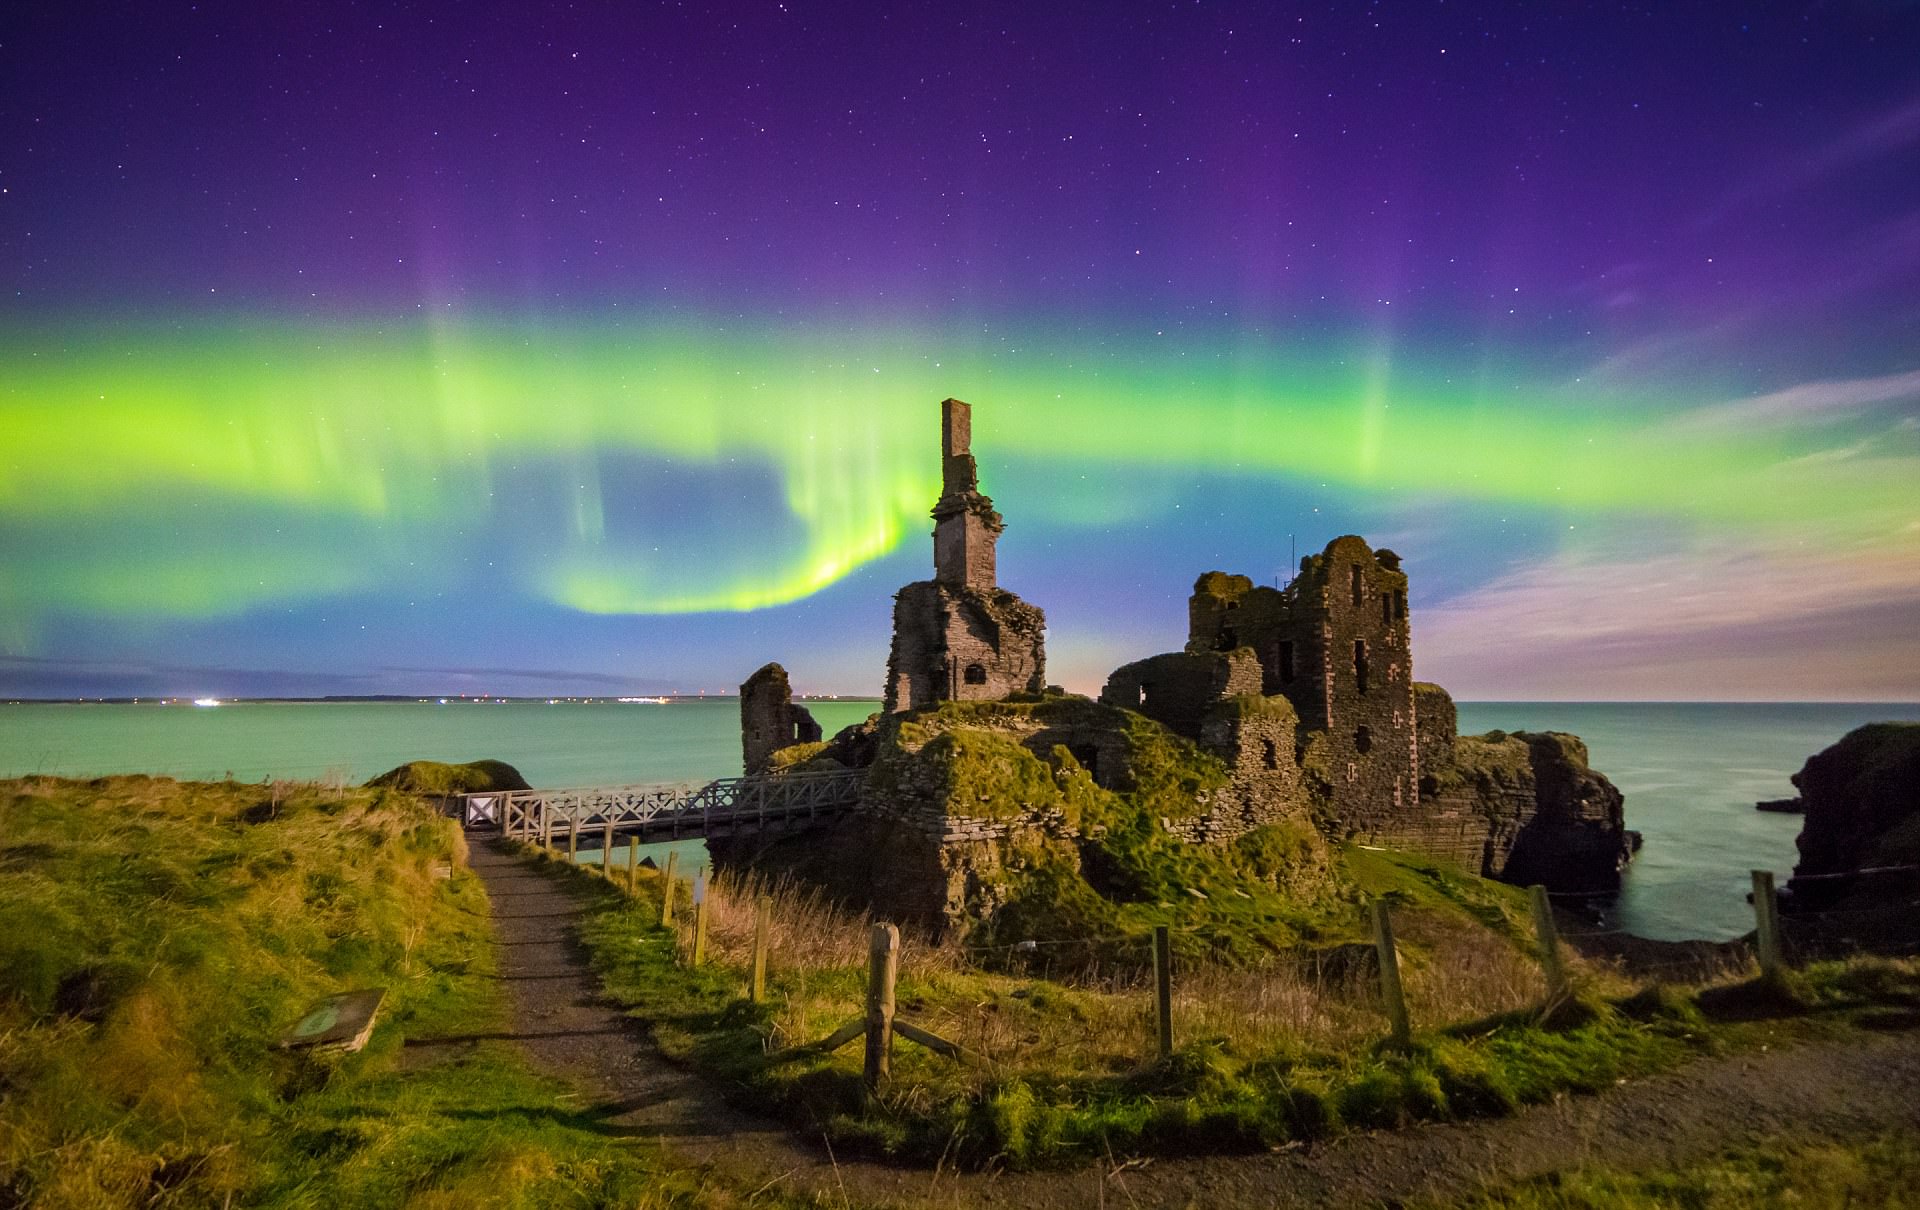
x=1524, y=807
x=1862, y=799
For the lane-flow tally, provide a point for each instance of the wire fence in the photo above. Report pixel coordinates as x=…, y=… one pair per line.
x=1120, y=985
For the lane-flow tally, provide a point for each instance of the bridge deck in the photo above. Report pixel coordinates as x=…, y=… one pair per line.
x=667, y=811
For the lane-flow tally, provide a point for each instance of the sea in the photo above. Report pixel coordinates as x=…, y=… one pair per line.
x=1691, y=772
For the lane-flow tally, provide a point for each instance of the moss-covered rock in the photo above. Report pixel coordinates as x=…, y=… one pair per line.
x=803, y=758
x=436, y=779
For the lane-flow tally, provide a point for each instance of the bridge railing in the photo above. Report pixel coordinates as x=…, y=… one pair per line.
x=687, y=808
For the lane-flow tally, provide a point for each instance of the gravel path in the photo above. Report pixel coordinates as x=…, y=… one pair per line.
x=1829, y=1089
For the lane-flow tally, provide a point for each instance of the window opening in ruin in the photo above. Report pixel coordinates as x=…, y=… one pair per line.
x=1269, y=754
x=1356, y=584
x=1399, y=606
x=1286, y=661
x=1228, y=639
x=1089, y=758
x=1386, y=608
x=975, y=674
x=1362, y=740
x=1360, y=664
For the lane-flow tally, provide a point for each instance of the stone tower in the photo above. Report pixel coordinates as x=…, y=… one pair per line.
x=959, y=636
x=965, y=527
x=1336, y=644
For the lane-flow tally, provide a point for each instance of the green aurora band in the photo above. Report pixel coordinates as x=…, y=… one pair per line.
x=208, y=469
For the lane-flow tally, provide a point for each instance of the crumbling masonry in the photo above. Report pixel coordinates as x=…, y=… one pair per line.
x=1305, y=694
x=960, y=637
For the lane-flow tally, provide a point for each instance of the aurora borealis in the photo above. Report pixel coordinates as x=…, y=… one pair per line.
x=409, y=350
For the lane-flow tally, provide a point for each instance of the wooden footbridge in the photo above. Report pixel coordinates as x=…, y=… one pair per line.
x=672, y=811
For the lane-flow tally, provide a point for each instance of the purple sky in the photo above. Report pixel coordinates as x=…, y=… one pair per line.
x=1605, y=235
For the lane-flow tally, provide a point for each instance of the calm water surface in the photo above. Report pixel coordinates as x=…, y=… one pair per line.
x=1691, y=772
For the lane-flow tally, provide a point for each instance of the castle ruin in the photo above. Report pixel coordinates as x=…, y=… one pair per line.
x=1298, y=704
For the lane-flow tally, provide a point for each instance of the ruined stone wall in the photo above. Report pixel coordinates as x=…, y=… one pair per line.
x=1229, y=611
x=960, y=644
x=1350, y=607
x=1255, y=736
x=769, y=718
x=1435, y=724
x=1179, y=689
x=958, y=636
x=1335, y=643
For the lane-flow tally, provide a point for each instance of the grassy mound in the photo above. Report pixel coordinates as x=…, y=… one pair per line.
x=436, y=779
x=156, y=938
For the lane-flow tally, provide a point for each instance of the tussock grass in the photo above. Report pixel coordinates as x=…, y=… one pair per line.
x=157, y=937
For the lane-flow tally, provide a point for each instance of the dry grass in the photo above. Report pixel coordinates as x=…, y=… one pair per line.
x=1094, y=1022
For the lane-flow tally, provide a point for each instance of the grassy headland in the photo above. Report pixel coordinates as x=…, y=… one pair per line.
x=156, y=939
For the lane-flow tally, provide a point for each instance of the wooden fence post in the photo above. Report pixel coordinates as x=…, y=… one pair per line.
x=762, y=909
x=666, y=889
x=606, y=852
x=1766, y=918
x=702, y=892
x=573, y=832
x=883, y=966
x=1548, y=936
x=633, y=865
x=546, y=829
x=1390, y=975
x=1163, y=988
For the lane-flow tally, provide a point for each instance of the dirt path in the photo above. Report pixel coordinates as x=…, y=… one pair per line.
x=1870, y=1084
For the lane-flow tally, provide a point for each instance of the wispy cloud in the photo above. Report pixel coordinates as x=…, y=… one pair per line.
x=1805, y=404
x=1785, y=622
x=1885, y=132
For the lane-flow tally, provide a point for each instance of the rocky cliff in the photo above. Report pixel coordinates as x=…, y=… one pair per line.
x=1526, y=808
x=1862, y=799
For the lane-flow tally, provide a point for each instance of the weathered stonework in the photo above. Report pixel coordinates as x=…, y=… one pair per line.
x=959, y=637
x=965, y=527
x=1177, y=690
x=1435, y=724
x=959, y=644
x=769, y=719
x=1336, y=644
x=1292, y=710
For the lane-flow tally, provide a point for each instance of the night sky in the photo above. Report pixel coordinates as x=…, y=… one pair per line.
x=537, y=349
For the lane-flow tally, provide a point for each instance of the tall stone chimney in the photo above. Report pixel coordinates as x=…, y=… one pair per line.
x=965, y=526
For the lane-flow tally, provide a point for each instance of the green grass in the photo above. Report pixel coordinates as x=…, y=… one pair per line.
x=1074, y=1078
x=155, y=940
x=1814, y=1175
